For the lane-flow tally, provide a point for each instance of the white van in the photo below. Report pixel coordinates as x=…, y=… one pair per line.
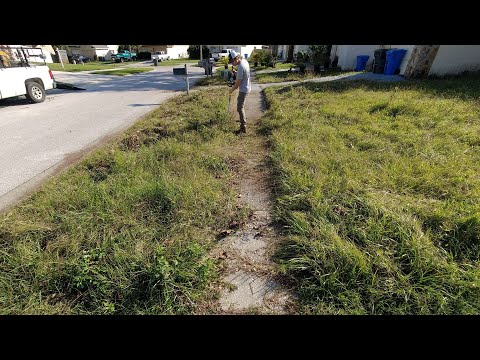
x=19, y=77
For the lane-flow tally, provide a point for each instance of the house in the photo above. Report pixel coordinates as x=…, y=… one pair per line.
x=419, y=60
x=283, y=50
x=174, y=51
x=244, y=50
x=93, y=51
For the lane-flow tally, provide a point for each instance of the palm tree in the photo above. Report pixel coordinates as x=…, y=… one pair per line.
x=290, y=53
x=421, y=61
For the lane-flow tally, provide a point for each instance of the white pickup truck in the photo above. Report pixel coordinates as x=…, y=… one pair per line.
x=27, y=79
x=160, y=56
x=223, y=53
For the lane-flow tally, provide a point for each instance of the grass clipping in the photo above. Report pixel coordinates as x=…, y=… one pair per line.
x=127, y=231
x=379, y=191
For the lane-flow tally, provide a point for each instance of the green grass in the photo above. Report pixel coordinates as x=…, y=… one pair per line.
x=216, y=79
x=98, y=65
x=173, y=62
x=123, y=72
x=280, y=65
x=378, y=191
x=273, y=77
x=127, y=230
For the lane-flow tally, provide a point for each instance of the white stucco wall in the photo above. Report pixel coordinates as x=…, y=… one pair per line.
x=454, y=59
x=301, y=48
x=282, y=52
x=178, y=51
x=247, y=49
x=347, y=54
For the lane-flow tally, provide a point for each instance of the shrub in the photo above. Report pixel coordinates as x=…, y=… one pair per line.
x=255, y=58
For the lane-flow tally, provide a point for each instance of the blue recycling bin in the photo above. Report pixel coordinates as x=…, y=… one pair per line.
x=361, y=62
x=393, y=60
x=246, y=56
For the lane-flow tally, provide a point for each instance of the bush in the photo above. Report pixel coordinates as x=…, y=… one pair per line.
x=269, y=60
x=320, y=54
x=302, y=57
x=255, y=58
x=224, y=61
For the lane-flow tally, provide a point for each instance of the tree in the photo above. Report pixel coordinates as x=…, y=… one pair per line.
x=194, y=52
x=132, y=48
x=60, y=47
x=291, y=48
x=421, y=61
x=320, y=54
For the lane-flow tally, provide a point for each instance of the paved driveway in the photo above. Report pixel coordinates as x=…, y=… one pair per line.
x=37, y=140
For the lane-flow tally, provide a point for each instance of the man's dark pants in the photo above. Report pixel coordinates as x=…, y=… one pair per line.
x=241, y=109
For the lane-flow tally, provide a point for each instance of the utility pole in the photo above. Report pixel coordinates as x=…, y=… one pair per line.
x=201, y=53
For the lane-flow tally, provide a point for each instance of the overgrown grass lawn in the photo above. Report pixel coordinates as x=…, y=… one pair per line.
x=127, y=230
x=281, y=76
x=279, y=65
x=378, y=186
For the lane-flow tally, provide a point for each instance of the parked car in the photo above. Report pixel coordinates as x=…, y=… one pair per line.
x=160, y=56
x=76, y=59
x=124, y=55
x=23, y=78
x=223, y=53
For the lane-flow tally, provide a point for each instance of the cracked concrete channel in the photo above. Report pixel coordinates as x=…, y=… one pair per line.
x=251, y=280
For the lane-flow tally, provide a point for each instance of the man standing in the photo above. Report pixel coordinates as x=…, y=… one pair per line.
x=242, y=82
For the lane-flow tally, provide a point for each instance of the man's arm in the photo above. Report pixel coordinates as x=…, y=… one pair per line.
x=236, y=85
x=239, y=78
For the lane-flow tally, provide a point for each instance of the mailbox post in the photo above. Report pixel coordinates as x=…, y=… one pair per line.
x=182, y=71
x=186, y=78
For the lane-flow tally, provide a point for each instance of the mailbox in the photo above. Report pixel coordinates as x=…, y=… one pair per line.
x=180, y=71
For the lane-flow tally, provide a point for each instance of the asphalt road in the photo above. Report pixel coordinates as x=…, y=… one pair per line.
x=38, y=140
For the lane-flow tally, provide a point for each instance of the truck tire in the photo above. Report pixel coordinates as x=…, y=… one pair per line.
x=121, y=59
x=35, y=92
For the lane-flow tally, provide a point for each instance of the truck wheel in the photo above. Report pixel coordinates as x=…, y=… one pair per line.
x=35, y=92
x=134, y=58
x=121, y=59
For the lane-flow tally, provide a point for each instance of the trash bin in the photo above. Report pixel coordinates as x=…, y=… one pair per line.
x=393, y=60
x=246, y=56
x=379, y=56
x=155, y=62
x=361, y=62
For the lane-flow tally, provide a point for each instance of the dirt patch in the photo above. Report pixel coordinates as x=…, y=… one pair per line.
x=146, y=136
